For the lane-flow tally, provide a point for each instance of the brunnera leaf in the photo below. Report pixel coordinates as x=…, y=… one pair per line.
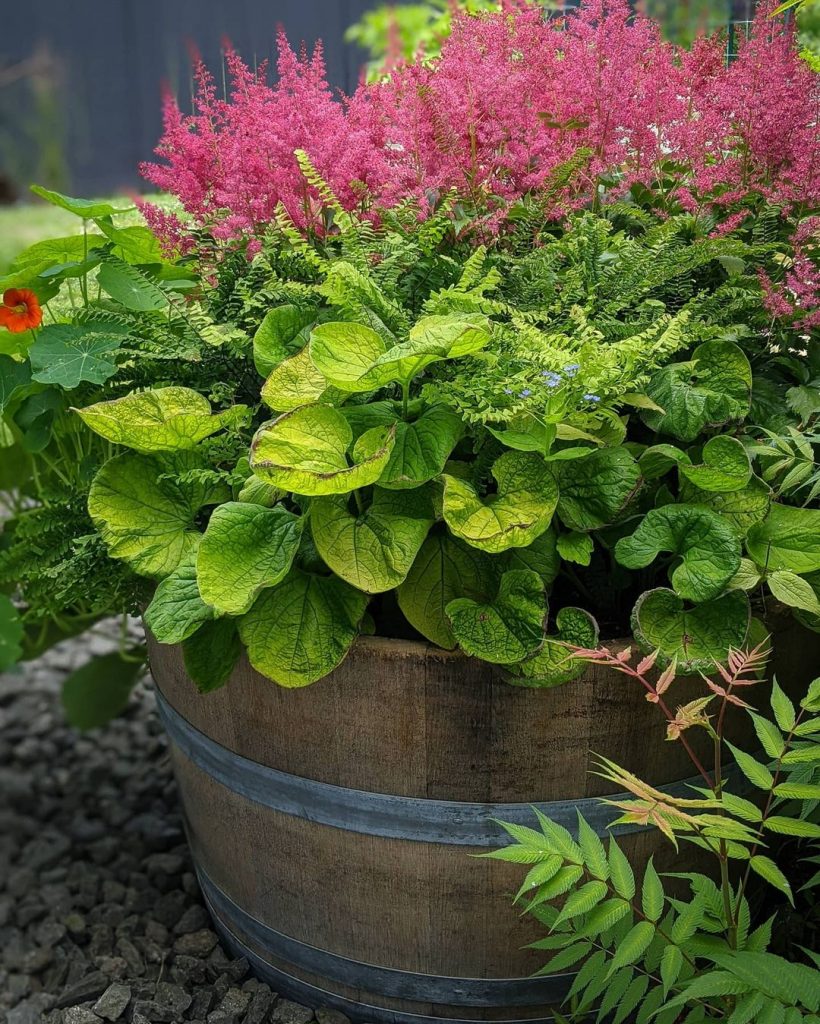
x=787, y=539
x=596, y=489
x=177, y=609
x=554, y=664
x=506, y=629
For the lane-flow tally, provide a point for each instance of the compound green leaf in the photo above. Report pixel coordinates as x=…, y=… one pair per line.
x=595, y=490
x=708, y=549
x=88, y=209
x=696, y=638
x=177, y=609
x=554, y=665
x=794, y=591
x=787, y=539
x=246, y=547
x=11, y=634
x=211, y=654
x=146, y=521
x=306, y=451
x=771, y=873
x=422, y=448
x=506, y=629
x=725, y=468
x=444, y=569
x=162, y=420
x=280, y=335
x=302, y=629
x=741, y=509
x=294, y=382
x=66, y=354
x=711, y=389
x=633, y=946
x=520, y=511
x=375, y=549
x=652, y=894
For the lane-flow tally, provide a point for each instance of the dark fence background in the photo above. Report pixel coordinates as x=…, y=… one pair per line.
x=80, y=80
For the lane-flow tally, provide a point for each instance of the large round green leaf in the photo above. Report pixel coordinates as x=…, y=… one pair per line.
x=444, y=569
x=596, y=489
x=708, y=547
x=279, y=336
x=177, y=609
x=741, y=509
x=302, y=629
x=554, y=664
x=422, y=448
x=506, y=629
x=344, y=353
x=146, y=521
x=696, y=638
x=305, y=451
x=294, y=382
x=373, y=550
x=246, y=548
x=165, y=419
x=67, y=354
x=788, y=538
x=88, y=209
x=711, y=389
x=725, y=466
x=520, y=511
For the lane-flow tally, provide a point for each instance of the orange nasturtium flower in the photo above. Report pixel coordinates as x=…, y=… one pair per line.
x=20, y=310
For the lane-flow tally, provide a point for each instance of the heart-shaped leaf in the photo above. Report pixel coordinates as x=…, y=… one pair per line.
x=741, y=509
x=422, y=448
x=595, y=490
x=11, y=634
x=576, y=547
x=520, y=511
x=294, y=382
x=144, y=520
x=282, y=333
x=246, y=548
x=554, y=664
x=696, y=638
x=302, y=628
x=709, y=549
x=725, y=467
x=211, y=654
x=373, y=550
x=345, y=353
x=506, y=629
x=306, y=451
x=711, y=389
x=66, y=354
x=444, y=569
x=163, y=420
x=177, y=609
x=788, y=538
x=541, y=556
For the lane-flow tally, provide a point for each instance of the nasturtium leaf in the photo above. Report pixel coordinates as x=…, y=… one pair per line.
x=541, y=556
x=445, y=568
x=302, y=629
x=211, y=654
x=67, y=354
x=725, y=467
x=306, y=451
x=696, y=638
x=100, y=689
x=794, y=591
x=88, y=209
x=711, y=389
x=57, y=251
x=246, y=548
x=294, y=382
x=708, y=549
x=520, y=511
x=375, y=549
x=11, y=634
x=422, y=448
x=576, y=547
x=162, y=420
x=146, y=521
x=177, y=609
x=14, y=377
x=788, y=538
x=506, y=629
x=130, y=286
x=741, y=509
x=554, y=664
x=595, y=490
x=279, y=336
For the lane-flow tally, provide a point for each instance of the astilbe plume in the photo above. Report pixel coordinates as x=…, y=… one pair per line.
x=511, y=99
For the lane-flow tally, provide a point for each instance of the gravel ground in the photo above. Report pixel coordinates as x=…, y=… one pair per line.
x=100, y=913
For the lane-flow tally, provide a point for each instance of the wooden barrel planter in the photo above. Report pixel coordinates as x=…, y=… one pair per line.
x=332, y=826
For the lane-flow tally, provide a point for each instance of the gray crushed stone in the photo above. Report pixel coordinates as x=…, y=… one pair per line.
x=101, y=917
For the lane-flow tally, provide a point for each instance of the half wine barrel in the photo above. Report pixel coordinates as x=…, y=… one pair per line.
x=334, y=827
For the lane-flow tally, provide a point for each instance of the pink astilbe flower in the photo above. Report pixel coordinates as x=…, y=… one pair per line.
x=797, y=299
x=511, y=99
